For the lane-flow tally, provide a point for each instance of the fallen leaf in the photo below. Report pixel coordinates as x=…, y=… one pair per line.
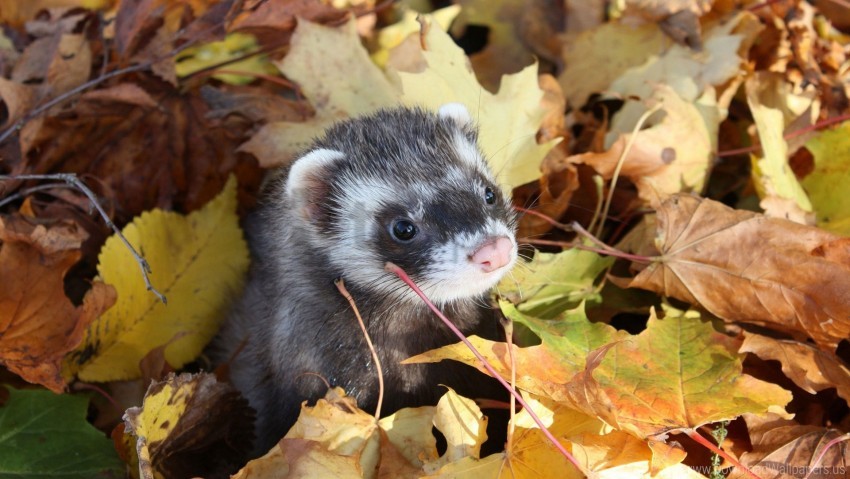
x=152, y=148
x=198, y=261
x=38, y=324
x=691, y=73
x=769, y=102
x=351, y=85
x=227, y=51
x=678, y=18
x=17, y=99
x=518, y=30
x=674, y=154
x=742, y=266
x=508, y=120
x=595, y=58
x=46, y=435
x=464, y=427
x=551, y=283
x=783, y=448
x=545, y=369
x=392, y=36
x=810, y=368
x=409, y=431
x=827, y=182
x=531, y=454
x=190, y=425
x=675, y=375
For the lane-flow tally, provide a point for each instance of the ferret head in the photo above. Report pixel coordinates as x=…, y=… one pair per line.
x=410, y=187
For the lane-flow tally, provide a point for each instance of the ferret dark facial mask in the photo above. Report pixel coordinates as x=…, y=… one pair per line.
x=421, y=196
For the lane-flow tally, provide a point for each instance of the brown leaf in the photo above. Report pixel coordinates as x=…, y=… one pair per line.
x=147, y=143
x=811, y=369
x=277, y=20
x=743, y=266
x=258, y=105
x=58, y=63
x=783, y=449
x=17, y=99
x=38, y=323
x=190, y=425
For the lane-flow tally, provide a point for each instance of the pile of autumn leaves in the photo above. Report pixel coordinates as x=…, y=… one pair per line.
x=174, y=147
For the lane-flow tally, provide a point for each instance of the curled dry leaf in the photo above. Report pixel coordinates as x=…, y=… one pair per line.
x=150, y=145
x=811, y=369
x=674, y=154
x=38, y=323
x=518, y=30
x=784, y=449
x=743, y=266
x=190, y=425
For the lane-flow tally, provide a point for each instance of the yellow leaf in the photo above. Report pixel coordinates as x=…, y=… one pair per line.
x=175, y=409
x=771, y=104
x=828, y=183
x=391, y=36
x=690, y=73
x=198, y=261
x=508, y=120
x=597, y=57
x=338, y=78
x=216, y=53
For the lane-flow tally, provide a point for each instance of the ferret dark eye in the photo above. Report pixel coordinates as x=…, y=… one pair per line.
x=403, y=230
x=489, y=196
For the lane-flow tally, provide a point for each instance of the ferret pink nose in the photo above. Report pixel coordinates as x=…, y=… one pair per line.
x=493, y=254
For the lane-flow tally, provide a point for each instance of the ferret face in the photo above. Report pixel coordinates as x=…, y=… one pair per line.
x=412, y=188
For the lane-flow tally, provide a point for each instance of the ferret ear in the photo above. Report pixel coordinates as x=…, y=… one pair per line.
x=458, y=113
x=307, y=182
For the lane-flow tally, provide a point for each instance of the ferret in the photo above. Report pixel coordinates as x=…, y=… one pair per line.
x=403, y=185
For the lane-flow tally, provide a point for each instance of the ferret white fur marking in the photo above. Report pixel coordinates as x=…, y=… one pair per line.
x=456, y=112
x=469, y=152
x=305, y=170
x=332, y=217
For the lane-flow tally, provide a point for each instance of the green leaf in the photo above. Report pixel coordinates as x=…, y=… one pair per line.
x=828, y=184
x=552, y=283
x=44, y=435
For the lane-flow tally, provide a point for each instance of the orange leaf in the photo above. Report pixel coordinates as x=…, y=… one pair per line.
x=38, y=323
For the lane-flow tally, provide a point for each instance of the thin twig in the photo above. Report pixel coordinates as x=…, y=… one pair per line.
x=75, y=182
x=392, y=268
x=817, y=126
x=819, y=458
x=545, y=217
x=622, y=160
x=28, y=191
x=696, y=436
x=340, y=285
x=607, y=251
x=38, y=111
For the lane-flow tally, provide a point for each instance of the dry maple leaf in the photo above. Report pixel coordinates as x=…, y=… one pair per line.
x=38, y=323
x=743, y=266
x=150, y=145
x=784, y=449
x=189, y=425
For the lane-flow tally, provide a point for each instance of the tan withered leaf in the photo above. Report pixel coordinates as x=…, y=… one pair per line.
x=810, y=368
x=743, y=266
x=38, y=323
x=784, y=449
